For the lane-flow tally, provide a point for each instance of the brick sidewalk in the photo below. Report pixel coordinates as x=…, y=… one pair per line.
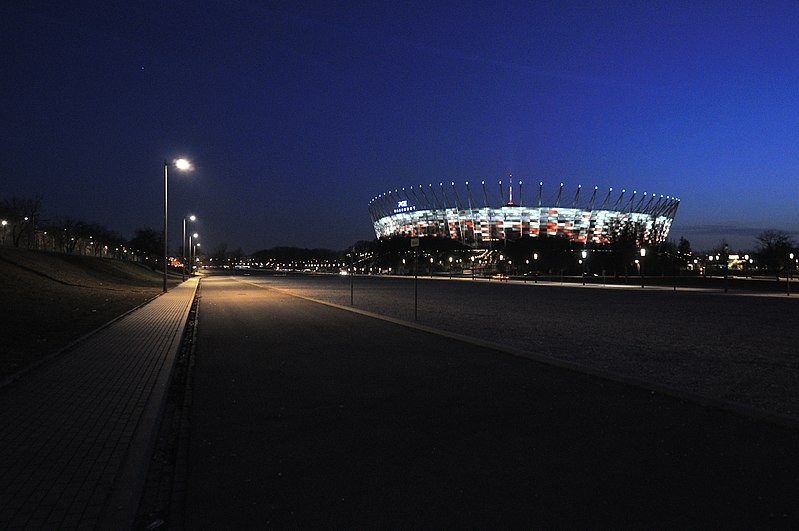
x=75, y=431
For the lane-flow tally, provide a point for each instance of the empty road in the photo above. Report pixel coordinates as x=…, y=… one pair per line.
x=308, y=416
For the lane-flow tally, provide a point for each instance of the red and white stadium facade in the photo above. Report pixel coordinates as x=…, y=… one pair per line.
x=452, y=212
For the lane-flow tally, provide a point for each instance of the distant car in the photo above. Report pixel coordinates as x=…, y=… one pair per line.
x=500, y=277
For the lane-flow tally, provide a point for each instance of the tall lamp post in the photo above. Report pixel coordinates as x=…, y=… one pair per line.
x=183, y=244
x=191, y=256
x=181, y=164
x=584, y=254
x=643, y=254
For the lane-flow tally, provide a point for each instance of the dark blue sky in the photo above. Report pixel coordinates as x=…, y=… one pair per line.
x=296, y=114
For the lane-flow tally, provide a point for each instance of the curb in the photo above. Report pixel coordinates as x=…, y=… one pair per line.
x=122, y=503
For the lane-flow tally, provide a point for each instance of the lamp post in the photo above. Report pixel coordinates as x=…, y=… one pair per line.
x=726, y=256
x=535, y=261
x=643, y=254
x=4, y=223
x=181, y=164
x=584, y=254
x=191, y=256
x=183, y=244
x=195, y=259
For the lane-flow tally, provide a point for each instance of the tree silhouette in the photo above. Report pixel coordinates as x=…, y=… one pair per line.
x=773, y=249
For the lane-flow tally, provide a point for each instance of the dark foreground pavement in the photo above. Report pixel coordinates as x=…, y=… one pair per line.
x=307, y=416
x=76, y=433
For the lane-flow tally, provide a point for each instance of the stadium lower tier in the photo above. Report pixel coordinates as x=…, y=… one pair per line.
x=479, y=226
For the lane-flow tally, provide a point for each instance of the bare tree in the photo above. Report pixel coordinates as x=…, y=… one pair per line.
x=774, y=246
x=21, y=215
x=148, y=243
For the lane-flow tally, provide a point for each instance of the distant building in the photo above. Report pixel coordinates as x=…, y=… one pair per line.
x=454, y=212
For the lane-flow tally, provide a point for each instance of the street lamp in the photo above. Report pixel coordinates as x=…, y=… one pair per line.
x=183, y=165
x=584, y=254
x=183, y=244
x=643, y=254
x=191, y=258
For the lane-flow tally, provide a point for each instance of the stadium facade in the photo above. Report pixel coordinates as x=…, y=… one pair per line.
x=452, y=212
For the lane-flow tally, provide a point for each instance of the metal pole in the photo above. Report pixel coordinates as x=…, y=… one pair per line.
x=642, y=271
x=676, y=272
x=183, y=251
x=352, y=276
x=416, y=285
x=166, y=164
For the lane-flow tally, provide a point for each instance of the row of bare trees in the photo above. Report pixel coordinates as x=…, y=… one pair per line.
x=24, y=224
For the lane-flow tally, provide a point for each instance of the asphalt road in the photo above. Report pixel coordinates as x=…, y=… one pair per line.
x=736, y=348
x=307, y=416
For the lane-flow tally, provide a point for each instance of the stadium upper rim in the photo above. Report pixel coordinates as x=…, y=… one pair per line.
x=596, y=217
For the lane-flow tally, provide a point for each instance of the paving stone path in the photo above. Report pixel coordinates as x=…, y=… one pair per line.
x=77, y=432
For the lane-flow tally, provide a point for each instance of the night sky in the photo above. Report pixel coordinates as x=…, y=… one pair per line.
x=296, y=114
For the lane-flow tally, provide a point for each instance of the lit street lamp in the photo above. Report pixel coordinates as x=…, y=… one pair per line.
x=584, y=254
x=181, y=164
x=643, y=254
x=183, y=244
x=191, y=257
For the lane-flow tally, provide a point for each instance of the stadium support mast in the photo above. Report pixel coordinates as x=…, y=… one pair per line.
x=416, y=197
x=576, y=196
x=593, y=197
x=426, y=199
x=618, y=201
x=444, y=193
x=607, y=198
x=630, y=202
x=640, y=202
x=438, y=202
x=540, y=190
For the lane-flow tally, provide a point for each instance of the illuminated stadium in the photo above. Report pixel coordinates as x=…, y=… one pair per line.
x=466, y=214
